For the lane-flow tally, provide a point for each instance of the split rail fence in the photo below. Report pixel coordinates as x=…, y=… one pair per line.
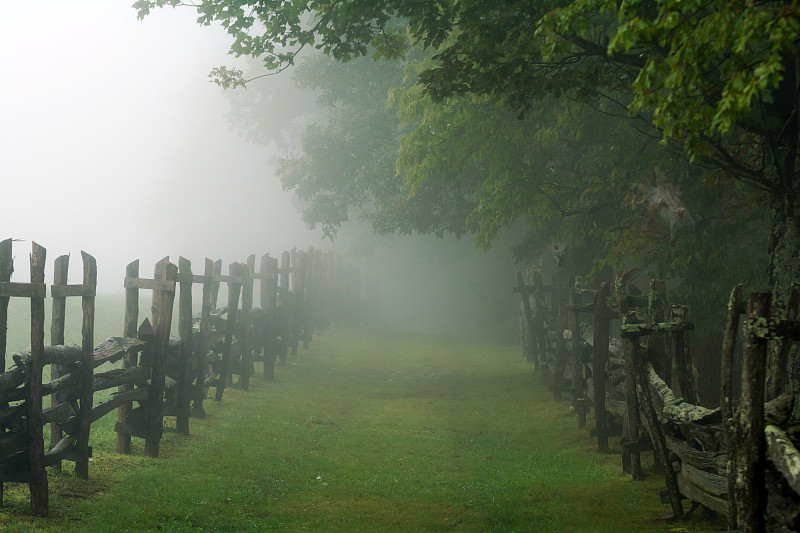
x=741, y=459
x=160, y=375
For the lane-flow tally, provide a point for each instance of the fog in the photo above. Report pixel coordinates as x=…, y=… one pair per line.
x=113, y=141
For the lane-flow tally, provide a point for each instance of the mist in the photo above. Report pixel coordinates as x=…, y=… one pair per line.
x=114, y=141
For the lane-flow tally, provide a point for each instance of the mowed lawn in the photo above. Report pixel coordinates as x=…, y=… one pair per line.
x=365, y=432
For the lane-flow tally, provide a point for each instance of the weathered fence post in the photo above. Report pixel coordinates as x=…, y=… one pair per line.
x=729, y=424
x=185, y=357
x=130, y=330
x=234, y=280
x=38, y=489
x=246, y=342
x=631, y=461
x=599, y=358
x=86, y=371
x=749, y=493
x=529, y=341
x=59, y=310
x=269, y=295
x=284, y=306
x=203, y=341
x=163, y=298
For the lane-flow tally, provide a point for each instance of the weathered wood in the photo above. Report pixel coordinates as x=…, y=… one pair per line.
x=245, y=319
x=6, y=269
x=656, y=432
x=119, y=376
x=637, y=325
x=599, y=358
x=712, y=461
x=151, y=284
x=779, y=356
x=234, y=289
x=750, y=449
x=149, y=434
x=631, y=461
x=39, y=492
x=59, y=450
x=162, y=321
x=528, y=341
x=185, y=357
x=23, y=290
x=783, y=454
x=62, y=291
x=577, y=392
x=57, y=414
x=86, y=369
x=10, y=380
x=120, y=398
x=695, y=493
x=129, y=331
x=12, y=443
x=677, y=409
x=708, y=481
x=269, y=295
x=729, y=425
x=114, y=348
x=203, y=341
x=9, y=415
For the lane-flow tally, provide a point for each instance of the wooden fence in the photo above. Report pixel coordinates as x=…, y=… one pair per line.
x=741, y=459
x=164, y=375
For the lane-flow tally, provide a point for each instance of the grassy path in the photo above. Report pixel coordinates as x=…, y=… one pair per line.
x=365, y=433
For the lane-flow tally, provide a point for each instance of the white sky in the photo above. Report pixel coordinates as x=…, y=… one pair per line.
x=113, y=141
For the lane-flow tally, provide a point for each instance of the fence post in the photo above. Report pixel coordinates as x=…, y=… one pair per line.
x=246, y=342
x=599, y=358
x=631, y=461
x=163, y=299
x=729, y=425
x=234, y=279
x=269, y=303
x=59, y=309
x=749, y=493
x=39, y=493
x=185, y=357
x=87, y=369
x=202, y=341
x=131, y=358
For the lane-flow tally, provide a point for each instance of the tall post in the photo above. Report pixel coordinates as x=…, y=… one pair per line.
x=86, y=370
x=631, y=460
x=269, y=303
x=729, y=424
x=749, y=494
x=59, y=311
x=599, y=358
x=235, y=271
x=246, y=342
x=39, y=492
x=163, y=299
x=185, y=357
x=130, y=330
x=202, y=341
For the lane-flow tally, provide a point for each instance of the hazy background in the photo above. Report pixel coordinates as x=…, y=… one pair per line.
x=113, y=141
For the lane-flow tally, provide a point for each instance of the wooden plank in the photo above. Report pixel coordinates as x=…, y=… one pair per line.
x=234, y=289
x=114, y=348
x=149, y=434
x=152, y=284
x=119, y=399
x=15, y=289
x=695, y=493
x=64, y=291
x=120, y=376
x=707, y=481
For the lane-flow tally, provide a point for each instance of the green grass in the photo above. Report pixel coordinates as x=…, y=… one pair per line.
x=366, y=433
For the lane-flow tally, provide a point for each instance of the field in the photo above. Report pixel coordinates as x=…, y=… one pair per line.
x=363, y=432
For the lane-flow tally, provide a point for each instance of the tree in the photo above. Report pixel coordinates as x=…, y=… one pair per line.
x=718, y=79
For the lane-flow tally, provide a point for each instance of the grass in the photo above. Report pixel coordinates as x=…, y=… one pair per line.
x=365, y=432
